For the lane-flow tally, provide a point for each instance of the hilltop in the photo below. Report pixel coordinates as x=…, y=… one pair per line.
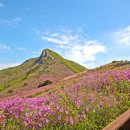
x=27, y=76
x=24, y=80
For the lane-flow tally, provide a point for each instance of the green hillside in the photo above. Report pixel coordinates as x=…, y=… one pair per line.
x=75, y=67
x=115, y=65
x=50, y=65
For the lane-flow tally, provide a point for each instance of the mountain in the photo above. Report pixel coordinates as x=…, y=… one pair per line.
x=49, y=66
x=50, y=92
x=115, y=65
x=90, y=99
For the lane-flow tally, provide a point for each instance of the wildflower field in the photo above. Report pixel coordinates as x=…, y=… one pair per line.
x=88, y=102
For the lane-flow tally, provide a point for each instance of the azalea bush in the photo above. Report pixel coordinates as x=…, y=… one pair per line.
x=89, y=103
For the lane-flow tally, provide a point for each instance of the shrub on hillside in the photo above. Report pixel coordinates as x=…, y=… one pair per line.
x=25, y=84
x=47, y=82
x=10, y=91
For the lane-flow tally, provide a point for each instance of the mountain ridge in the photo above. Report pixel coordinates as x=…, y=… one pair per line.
x=49, y=66
x=121, y=64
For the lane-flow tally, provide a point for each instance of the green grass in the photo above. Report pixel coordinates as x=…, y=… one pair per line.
x=115, y=65
x=31, y=70
x=75, y=67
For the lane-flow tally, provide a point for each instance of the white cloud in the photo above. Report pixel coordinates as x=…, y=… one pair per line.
x=86, y=52
x=11, y=23
x=54, y=40
x=76, y=46
x=4, y=65
x=1, y=5
x=4, y=47
x=123, y=36
x=60, y=38
x=21, y=49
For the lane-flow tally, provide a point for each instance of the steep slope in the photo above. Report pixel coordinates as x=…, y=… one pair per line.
x=75, y=67
x=49, y=66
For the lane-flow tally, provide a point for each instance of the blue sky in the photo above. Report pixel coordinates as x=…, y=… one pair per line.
x=91, y=32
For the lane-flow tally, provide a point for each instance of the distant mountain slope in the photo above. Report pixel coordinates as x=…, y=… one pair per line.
x=115, y=65
x=49, y=66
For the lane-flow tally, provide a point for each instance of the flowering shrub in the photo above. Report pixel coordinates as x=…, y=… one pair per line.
x=91, y=102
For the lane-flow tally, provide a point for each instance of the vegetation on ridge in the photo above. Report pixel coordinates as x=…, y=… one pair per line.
x=34, y=70
x=75, y=67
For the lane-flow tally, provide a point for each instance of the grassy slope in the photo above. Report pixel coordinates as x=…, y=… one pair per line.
x=15, y=75
x=118, y=65
x=29, y=72
x=75, y=67
x=115, y=65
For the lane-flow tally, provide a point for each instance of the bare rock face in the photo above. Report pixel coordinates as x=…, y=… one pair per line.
x=45, y=57
x=45, y=53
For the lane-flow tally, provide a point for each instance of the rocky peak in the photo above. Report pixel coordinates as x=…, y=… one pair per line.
x=46, y=55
